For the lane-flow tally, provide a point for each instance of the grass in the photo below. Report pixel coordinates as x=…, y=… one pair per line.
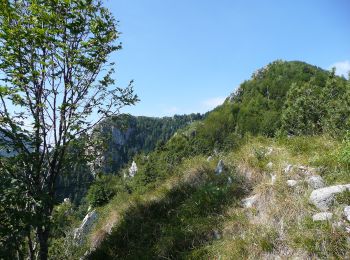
x=196, y=214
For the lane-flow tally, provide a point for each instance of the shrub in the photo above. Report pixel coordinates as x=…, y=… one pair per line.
x=102, y=190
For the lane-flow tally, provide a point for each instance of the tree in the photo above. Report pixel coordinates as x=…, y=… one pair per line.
x=55, y=87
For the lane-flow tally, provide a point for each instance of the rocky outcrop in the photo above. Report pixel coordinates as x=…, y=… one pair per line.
x=322, y=216
x=324, y=197
x=85, y=227
x=133, y=169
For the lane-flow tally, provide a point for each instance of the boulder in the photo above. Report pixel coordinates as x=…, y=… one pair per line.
x=347, y=212
x=324, y=197
x=249, y=202
x=322, y=216
x=220, y=167
x=292, y=183
x=85, y=227
x=315, y=182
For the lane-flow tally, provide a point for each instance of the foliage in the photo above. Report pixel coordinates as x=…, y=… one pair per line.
x=55, y=87
x=314, y=109
x=102, y=190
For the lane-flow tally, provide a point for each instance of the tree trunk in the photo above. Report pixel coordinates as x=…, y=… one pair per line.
x=43, y=237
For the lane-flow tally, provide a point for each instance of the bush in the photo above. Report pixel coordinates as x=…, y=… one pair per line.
x=102, y=190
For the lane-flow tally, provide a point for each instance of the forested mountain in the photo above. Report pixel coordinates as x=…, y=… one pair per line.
x=122, y=137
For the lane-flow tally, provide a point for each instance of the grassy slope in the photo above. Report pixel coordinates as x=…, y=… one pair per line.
x=197, y=214
x=179, y=208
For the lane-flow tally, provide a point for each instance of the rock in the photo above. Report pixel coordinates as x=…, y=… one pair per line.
x=269, y=165
x=273, y=178
x=304, y=170
x=269, y=151
x=347, y=212
x=229, y=180
x=220, y=167
x=288, y=168
x=292, y=183
x=249, y=202
x=81, y=232
x=324, y=197
x=216, y=234
x=322, y=216
x=132, y=169
x=209, y=158
x=66, y=200
x=315, y=182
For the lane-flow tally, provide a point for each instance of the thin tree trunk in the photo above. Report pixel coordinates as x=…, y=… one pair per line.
x=43, y=237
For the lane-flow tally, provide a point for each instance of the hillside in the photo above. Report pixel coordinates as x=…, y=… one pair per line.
x=122, y=137
x=234, y=185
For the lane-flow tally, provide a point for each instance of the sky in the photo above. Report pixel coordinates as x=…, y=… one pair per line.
x=187, y=56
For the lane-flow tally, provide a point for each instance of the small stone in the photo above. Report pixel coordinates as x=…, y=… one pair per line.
x=249, y=202
x=269, y=165
x=288, y=168
x=216, y=234
x=347, y=212
x=273, y=178
x=292, y=183
x=229, y=180
x=322, y=216
x=220, y=167
x=269, y=151
x=209, y=158
x=315, y=182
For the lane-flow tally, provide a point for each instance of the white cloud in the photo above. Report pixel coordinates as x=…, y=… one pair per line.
x=213, y=102
x=342, y=68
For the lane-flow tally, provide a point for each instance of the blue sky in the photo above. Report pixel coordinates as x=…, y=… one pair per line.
x=188, y=55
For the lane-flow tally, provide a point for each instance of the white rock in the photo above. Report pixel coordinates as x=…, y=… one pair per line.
x=322, y=216
x=220, y=167
x=273, y=178
x=324, y=197
x=306, y=170
x=292, y=183
x=81, y=232
x=229, y=180
x=209, y=158
x=288, y=168
x=133, y=169
x=269, y=151
x=347, y=212
x=249, y=202
x=315, y=182
x=269, y=165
